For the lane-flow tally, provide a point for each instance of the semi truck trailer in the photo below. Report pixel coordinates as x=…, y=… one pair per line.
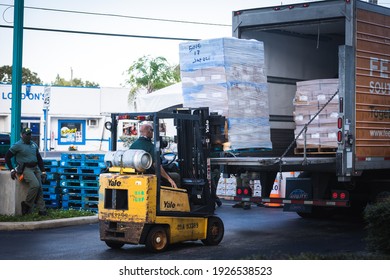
x=344, y=40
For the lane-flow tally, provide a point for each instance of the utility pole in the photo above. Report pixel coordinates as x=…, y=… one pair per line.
x=16, y=107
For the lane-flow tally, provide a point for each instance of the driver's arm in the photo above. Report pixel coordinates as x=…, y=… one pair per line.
x=166, y=176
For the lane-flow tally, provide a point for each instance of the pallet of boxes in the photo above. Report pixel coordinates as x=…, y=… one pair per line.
x=321, y=133
x=228, y=76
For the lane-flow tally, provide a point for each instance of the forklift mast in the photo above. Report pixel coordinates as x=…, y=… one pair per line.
x=193, y=144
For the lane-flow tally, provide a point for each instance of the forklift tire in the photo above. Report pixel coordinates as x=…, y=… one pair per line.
x=114, y=245
x=157, y=239
x=215, y=231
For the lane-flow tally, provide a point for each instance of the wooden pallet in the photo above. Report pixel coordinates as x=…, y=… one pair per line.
x=315, y=150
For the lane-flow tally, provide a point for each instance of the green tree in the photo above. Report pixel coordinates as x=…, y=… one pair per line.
x=60, y=81
x=28, y=77
x=151, y=74
x=91, y=84
x=176, y=73
x=76, y=82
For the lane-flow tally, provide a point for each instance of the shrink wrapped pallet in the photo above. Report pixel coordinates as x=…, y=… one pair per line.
x=228, y=76
x=309, y=99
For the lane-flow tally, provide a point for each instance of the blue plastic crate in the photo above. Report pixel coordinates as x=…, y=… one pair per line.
x=50, y=162
x=80, y=170
x=50, y=169
x=52, y=176
x=89, y=184
x=85, y=164
x=94, y=157
x=78, y=197
x=70, y=183
x=80, y=205
x=81, y=157
x=51, y=197
x=72, y=156
x=79, y=184
x=50, y=190
x=80, y=177
x=53, y=204
x=80, y=190
x=50, y=183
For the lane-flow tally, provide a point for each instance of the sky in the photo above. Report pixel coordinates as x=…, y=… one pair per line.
x=105, y=59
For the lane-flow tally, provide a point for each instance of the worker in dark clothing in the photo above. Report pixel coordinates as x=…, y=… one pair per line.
x=144, y=142
x=215, y=175
x=29, y=167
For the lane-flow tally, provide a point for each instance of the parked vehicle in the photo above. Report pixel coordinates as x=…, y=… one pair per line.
x=136, y=207
x=346, y=40
x=5, y=142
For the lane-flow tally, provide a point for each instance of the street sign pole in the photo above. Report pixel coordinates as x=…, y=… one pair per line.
x=45, y=131
x=46, y=105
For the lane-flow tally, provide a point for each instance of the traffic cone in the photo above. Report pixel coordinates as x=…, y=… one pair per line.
x=279, y=188
x=277, y=191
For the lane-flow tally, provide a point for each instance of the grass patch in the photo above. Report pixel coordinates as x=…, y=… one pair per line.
x=51, y=215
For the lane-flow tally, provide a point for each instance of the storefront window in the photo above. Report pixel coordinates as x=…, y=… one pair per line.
x=71, y=132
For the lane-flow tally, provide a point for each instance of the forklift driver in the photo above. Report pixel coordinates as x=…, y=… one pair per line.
x=144, y=142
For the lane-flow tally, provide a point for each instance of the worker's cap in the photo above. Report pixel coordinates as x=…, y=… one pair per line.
x=26, y=131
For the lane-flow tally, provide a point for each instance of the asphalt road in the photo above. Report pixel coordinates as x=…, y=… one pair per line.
x=268, y=233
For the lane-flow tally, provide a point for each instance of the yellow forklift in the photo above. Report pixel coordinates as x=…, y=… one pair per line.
x=139, y=208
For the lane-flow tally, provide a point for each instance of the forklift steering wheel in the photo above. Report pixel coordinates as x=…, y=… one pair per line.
x=164, y=158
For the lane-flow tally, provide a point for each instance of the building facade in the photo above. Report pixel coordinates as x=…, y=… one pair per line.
x=74, y=118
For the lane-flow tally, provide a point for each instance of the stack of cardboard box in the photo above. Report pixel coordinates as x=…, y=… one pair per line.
x=309, y=99
x=228, y=76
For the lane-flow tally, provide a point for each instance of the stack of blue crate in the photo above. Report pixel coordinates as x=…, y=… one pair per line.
x=79, y=180
x=51, y=187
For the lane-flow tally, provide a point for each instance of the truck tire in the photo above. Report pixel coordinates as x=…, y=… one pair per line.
x=157, y=239
x=114, y=244
x=215, y=231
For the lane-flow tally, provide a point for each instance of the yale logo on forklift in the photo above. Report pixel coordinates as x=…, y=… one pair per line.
x=114, y=183
x=174, y=200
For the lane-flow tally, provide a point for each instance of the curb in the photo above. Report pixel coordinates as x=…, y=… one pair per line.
x=9, y=226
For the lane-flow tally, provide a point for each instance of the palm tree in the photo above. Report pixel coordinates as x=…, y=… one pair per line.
x=151, y=74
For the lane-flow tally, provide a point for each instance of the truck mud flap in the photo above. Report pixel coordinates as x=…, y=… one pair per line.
x=298, y=188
